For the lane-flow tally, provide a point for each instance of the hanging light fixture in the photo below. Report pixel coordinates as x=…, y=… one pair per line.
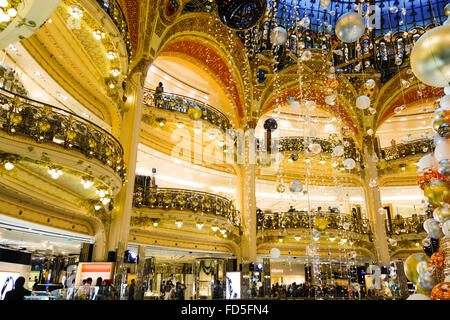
x=87, y=182
x=9, y=165
x=75, y=11
x=98, y=34
x=55, y=172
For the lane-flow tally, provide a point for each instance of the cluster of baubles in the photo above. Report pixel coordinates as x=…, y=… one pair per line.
x=430, y=61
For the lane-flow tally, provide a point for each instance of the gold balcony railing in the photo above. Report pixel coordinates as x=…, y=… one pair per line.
x=403, y=150
x=113, y=9
x=408, y=225
x=184, y=200
x=45, y=123
x=303, y=220
x=180, y=103
x=300, y=144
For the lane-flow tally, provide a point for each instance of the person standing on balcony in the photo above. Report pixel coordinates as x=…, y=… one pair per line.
x=159, y=90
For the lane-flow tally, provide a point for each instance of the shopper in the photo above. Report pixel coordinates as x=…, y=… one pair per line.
x=19, y=292
x=108, y=290
x=179, y=292
x=170, y=295
x=99, y=285
x=218, y=291
x=84, y=291
x=131, y=290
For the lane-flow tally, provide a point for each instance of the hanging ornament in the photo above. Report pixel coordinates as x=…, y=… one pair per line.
x=278, y=36
x=307, y=55
x=430, y=57
x=315, y=148
x=441, y=291
x=410, y=266
x=315, y=235
x=294, y=104
x=240, y=14
x=330, y=99
x=281, y=188
x=433, y=229
x=399, y=109
x=382, y=164
x=331, y=83
x=338, y=151
x=444, y=167
x=324, y=3
x=275, y=253
x=446, y=228
x=350, y=27
x=294, y=156
x=310, y=105
x=442, y=151
x=295, y=186
x=363, y=102
x=444, y=102
x=310, y=250
x=427, y=161
x=349, y=164
x=437, y=192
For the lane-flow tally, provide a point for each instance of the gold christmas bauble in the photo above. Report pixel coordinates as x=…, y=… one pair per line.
x=430, y=57
x=410, y=266
x=437, y=192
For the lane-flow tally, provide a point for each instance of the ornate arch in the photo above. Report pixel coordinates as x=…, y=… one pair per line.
x=223, y=56
x=393, y=95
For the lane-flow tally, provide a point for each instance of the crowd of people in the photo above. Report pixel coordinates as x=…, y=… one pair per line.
x=169, y=291
x=306, y=290
x=103, y=290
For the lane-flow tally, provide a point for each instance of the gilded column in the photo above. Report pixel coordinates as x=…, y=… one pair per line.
x=373, y=202
x=129, y=138
x=246, y=198
x=247, y=206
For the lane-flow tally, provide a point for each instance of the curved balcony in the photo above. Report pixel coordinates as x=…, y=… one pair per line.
x=302, y=220
x=301, y=144
x=180, y=103
x=403, y=150
x=45, y=123
x=113, y=9
x=184, y=200
x=410, y=225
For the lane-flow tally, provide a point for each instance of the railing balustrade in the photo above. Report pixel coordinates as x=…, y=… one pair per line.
x=402, y=150
x=408, y=225
x=185, y=200
x=45, y=123
x=180, y=103
x=301, y=219
x=113, y=9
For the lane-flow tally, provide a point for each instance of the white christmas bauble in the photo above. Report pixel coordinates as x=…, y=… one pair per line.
x=338, y=151
x=275, y=253
x=349, y=164
x=363, y=102
x=278, y=36
x=445, y=102
x=425, y=162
